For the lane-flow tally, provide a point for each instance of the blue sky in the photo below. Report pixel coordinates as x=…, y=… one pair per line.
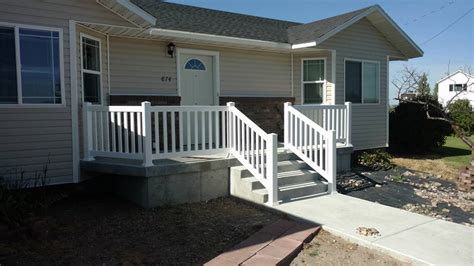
x=420, y=19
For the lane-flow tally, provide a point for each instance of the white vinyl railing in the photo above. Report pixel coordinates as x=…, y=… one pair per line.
x=331, y=117
x=156, y=132
x=113, y=131
x=312, y=143
x=255, y=149
x=188, y=130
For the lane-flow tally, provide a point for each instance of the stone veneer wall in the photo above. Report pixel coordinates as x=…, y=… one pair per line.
x=267, y=112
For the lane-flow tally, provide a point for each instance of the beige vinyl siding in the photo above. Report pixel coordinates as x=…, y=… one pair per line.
x=297, y=86
x=29, y=137
x=252, y=73
x=363, y=41
x=137, y=67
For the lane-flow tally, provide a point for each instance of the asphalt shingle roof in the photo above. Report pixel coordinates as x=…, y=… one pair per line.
x=314, y=30
x=208, y=21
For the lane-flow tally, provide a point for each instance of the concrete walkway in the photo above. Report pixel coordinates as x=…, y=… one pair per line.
x=405, y=235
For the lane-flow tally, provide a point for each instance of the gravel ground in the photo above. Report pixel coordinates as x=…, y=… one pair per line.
x=326, y=249
x=412, y=191
x=96, y=230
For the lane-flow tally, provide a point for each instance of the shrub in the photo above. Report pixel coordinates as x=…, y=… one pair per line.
x=411, y=132
x=375, y=160
x=21, y=199
x=461, y=113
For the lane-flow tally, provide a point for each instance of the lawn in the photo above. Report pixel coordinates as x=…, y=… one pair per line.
x=455, y=152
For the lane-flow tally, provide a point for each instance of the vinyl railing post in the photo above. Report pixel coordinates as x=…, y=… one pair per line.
x=146, y=134
x=348, y=123
x=230, y=126
x=286, y=122
x=272, y=171
x=332, y=162
x=87, y=129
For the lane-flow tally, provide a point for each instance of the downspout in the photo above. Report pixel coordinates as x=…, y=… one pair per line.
x=108, y=66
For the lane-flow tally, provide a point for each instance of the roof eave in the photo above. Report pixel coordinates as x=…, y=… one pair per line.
x=417, y=52
x=219, y=39
x=130, y=12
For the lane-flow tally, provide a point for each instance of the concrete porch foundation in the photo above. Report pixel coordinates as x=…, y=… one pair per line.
x=168, y=182
x=177, y=180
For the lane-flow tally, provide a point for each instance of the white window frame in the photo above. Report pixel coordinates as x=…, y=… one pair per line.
x=81, y=37
x=20, y=104
x=324, y=81
x=362, y=61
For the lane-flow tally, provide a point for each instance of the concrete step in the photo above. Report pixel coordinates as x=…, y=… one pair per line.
x=294, y=191
x=283, y=166
x=287, y=178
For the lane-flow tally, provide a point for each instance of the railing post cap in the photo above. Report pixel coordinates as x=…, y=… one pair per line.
x=230, y=104
x=146, y=103
x=288, y=103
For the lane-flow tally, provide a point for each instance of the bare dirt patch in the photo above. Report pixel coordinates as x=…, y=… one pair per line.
x=97, y=229
x=327, y=249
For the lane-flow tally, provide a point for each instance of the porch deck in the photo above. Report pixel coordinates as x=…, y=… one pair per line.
x=170, y=147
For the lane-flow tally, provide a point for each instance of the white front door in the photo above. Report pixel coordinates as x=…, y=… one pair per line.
x=197, y=80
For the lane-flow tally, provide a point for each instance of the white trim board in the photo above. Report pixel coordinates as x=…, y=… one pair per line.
x=219, y=39
x=216, y=71
x=74, y=101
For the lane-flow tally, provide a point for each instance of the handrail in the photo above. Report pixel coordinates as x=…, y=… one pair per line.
x=331, y=117
x=311, y=143
x=255, y=149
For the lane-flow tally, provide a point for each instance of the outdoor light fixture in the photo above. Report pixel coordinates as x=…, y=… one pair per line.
x=171, y=48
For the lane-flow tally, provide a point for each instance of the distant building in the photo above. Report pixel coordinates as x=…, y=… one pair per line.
x=459, y=84
x=408, y=96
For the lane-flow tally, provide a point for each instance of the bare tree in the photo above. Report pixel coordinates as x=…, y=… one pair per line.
x=408, y=81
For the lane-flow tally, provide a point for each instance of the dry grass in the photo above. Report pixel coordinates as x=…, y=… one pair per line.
x=444, y=162
x=436, y=167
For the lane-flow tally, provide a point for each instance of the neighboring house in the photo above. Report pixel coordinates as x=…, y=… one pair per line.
x=456, y=86
x=58, y=54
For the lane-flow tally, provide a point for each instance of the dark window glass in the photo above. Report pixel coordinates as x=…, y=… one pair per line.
x=194, y=64
x=91, y=54
x=92, y=85
x=313, y=93
x=353, y=81
x=40, y=75
x=451, y=86
x=8, y=79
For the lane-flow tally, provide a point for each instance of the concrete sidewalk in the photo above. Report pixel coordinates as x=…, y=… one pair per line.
x=405, y=235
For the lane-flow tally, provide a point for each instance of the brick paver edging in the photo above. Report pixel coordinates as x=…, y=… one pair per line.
x=275, y=244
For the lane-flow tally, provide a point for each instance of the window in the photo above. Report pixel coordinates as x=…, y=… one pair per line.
x=457, y=87
x=194, y=64
x=91, y=69
x=31, y=74
x=313, y=80
x=362, y=81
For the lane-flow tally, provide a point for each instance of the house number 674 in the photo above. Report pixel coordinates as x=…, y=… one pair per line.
x=166, y=79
